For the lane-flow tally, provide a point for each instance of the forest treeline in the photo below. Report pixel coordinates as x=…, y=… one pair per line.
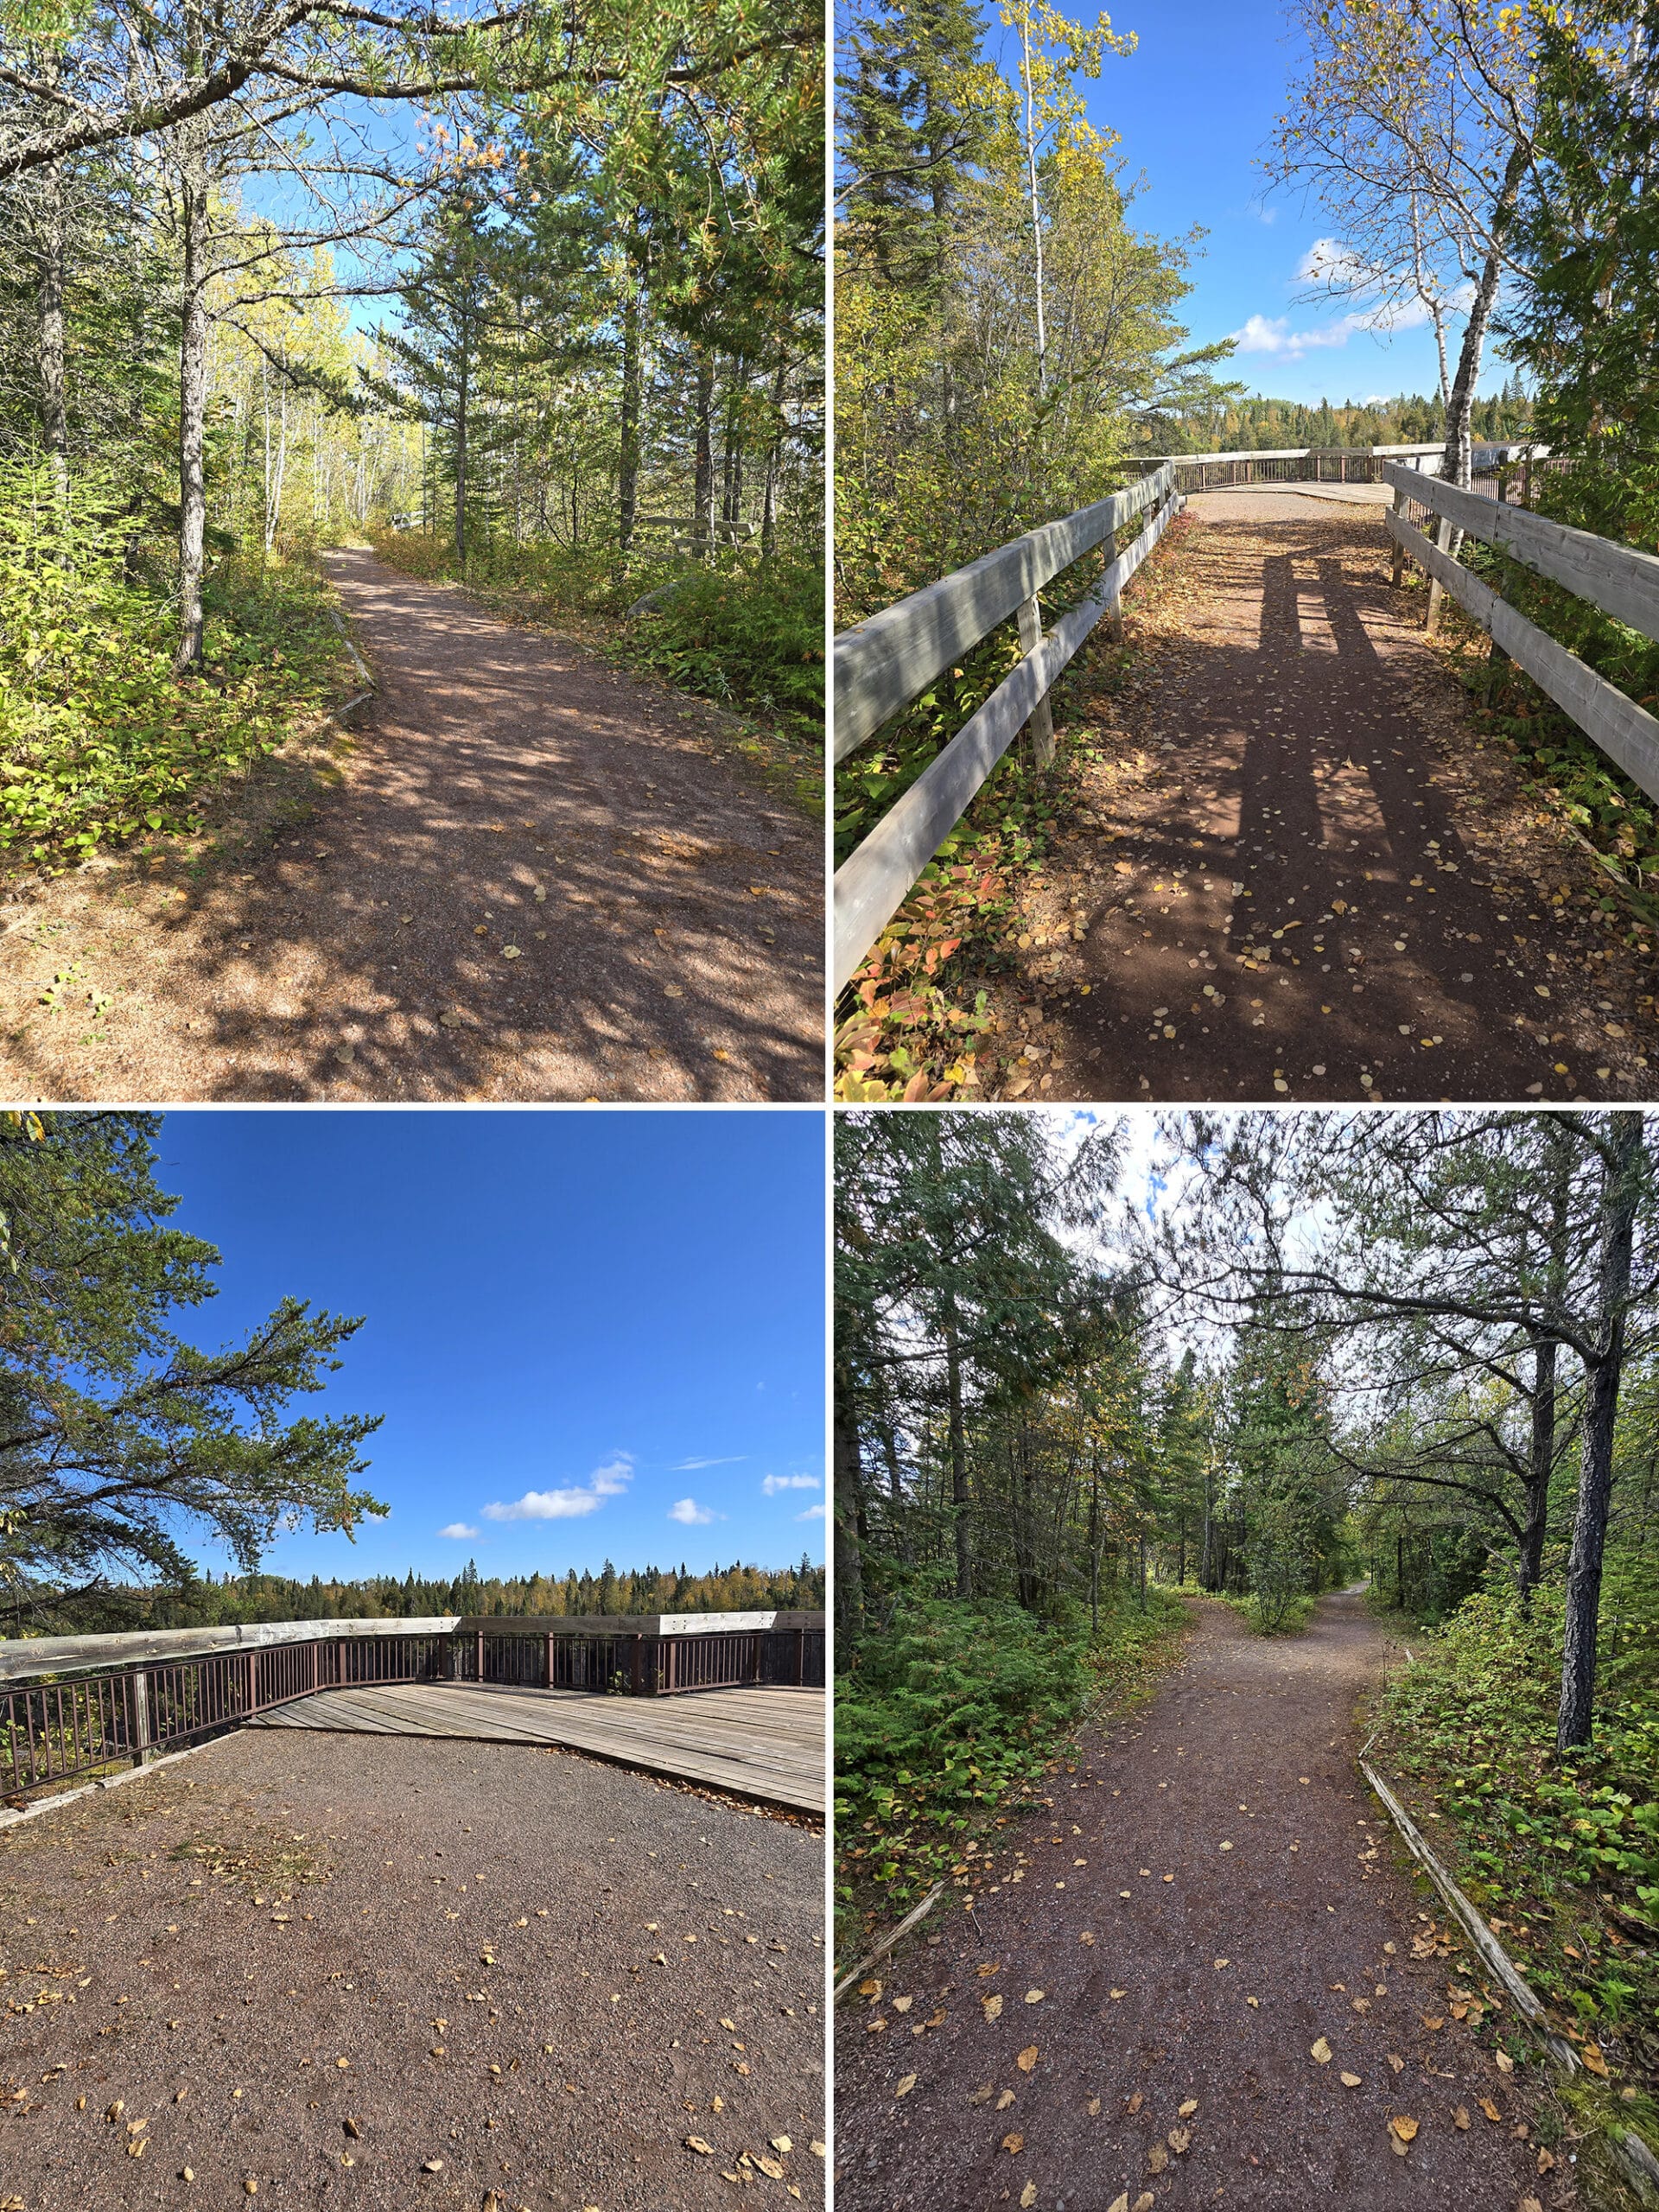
x=545, y=296
x=211, y=1601
x=1284, y=1353
x=1251, y=424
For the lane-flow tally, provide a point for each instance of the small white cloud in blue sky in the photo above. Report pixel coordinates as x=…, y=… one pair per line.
x=690, y=1514
x=691, y=1466
x=812, y=1513
x=457, y=1528
x=1262, y=334
x=572, y=1500
x=770, y=1485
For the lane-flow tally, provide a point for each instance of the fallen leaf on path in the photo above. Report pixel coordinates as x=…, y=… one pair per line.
x=1460, y=2117
x=1490, y=2110
x=1093, y=2107
x=983, y=1971
x=1546, y=2161
x=1351, y=2080
x=1506, y=2064
x=1178, y=2139
x=903, y=2003
x=1034, y=1996
x=905, y=2085
x=1406, y=2129
x=1013, y=2144
x=1085, y=1938
x=1027, y=2058
x=1157, y=2158
x=1397, y=2063
x=1133, y=2103
x=1530, y=2204
x=1120, y=1993
x=991, y=2006
x=1320, y=2053
x=1028, y=2196
x=1185, y=2111
x=1144, y=2203
x=1005, y=2100
x=1588, y=2052
x=1117, y=2204
x=983, y=2094
x=692, y=2143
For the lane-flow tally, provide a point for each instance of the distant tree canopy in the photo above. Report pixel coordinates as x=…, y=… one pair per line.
x=214, y=1600
x=1238, y=425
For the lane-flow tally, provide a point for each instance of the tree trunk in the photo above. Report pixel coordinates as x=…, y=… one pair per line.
x=462, y=397
x=1542, y=1462
x=774, y=463
x=849, y=1509
x=1455, y=461
x=702, y=524
x=55, y=429
x=193, y=398
x=628, y=462
x=958, y=1455
x=1621, y=1187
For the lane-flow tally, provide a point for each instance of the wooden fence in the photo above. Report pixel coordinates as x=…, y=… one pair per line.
x=85, y=1716
x=1619, y=580
x=882, y=665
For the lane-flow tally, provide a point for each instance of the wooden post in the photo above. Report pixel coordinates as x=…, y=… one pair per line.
x=1400, y=503
x=478, y=1637
x=254, y=1681
x=141, y=1715
x=550, y=1658
x=637, y=1663
x=340, y=1660
x=316, y=1663
x=800, y=1658
x=1526, y=478
x=1436, y=589
x=1041, y=724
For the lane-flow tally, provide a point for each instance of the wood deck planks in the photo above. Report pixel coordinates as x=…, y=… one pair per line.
x=759, y=1743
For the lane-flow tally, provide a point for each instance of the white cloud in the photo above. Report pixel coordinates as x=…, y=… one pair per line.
x=690, y=1466
x=457, y=1528
x=812, y=1513
x=571, y=1502
x=1273, y=334
x=773, y=1484
x=690, y=1514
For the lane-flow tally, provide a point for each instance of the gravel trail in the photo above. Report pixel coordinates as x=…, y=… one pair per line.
x=473, y=1930
x=540, y=879
x=1218, y=1847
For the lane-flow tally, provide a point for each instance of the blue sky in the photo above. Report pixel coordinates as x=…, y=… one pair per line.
x=1194, y=107
x=606, y=1326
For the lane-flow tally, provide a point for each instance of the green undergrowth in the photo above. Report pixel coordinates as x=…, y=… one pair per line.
x=1288, y=1616
x=99, y=741
x=945, y=1723
x=1561, y=1854
x=746, y=631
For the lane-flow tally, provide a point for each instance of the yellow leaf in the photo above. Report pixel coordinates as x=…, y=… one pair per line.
x=1014, y=2143
x=991, y=2006
x=1320, y=2052
x=1034, y=1996
x=1404, y=2128
x=1027, y=2058
x=695, y=2143
x=905, y=2085
x=1028, y=2196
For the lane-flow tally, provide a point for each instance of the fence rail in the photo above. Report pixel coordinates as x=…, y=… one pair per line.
x=1623, y=582
x=881, y=665
x=84, y=1720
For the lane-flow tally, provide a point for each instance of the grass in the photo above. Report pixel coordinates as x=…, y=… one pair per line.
x=945, y=1723
x=1560, y=1853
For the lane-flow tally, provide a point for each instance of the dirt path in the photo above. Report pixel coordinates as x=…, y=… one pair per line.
x=523, y=1977
x=1313, y=883
x=1218, y=1848
x=541, y=880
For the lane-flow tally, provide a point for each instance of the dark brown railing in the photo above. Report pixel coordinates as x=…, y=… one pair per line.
x=55, y=1729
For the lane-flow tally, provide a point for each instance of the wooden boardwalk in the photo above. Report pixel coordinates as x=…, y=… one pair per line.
x=758, y=1743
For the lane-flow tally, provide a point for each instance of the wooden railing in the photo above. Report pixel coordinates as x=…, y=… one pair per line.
x=1619, y=580
x=882, y=665
x=66, y=1711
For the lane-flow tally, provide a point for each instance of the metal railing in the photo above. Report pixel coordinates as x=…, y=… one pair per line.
x=882, y=664
x=82, y=1715
x=1623, y=582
